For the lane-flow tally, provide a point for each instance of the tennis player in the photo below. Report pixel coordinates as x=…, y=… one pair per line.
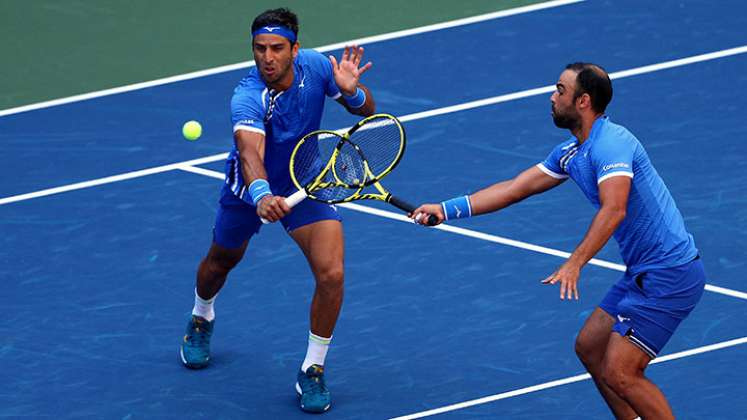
x=280, y=100
x=664, y=278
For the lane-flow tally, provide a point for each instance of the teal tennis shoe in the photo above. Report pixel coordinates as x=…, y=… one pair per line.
x=195, y=348
x=314, y=394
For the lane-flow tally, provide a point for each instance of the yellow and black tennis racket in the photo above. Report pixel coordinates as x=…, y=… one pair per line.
x=334, y=167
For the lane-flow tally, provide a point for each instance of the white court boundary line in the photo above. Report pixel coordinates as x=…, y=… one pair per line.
x=110, y=179
x=237, y=66
x=410, y=117
x=564, y=381
x=475, y=234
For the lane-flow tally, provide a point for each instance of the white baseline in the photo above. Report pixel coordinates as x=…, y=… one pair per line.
x=237, y=66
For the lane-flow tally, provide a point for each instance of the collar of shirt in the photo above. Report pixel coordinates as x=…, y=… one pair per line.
x=597, y=127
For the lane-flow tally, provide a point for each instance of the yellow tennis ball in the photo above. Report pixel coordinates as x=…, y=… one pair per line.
x=192, y=130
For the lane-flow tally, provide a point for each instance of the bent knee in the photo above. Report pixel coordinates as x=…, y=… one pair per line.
x=588, y=350
x=619, y=380
x=331, y=277
x=222, y=264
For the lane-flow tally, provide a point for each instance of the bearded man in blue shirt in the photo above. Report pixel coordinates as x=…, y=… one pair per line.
x=664, y=278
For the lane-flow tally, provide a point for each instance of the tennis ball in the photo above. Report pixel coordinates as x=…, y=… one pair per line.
x=192, y=130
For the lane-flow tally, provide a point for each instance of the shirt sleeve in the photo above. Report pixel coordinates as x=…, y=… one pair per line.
x=613, y=157
x=247, y=111
x=552, y=165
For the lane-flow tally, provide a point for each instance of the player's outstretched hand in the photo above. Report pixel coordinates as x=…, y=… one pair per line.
x=348, y=71
x=567, y=275
x=421, y=214
x=272, y=208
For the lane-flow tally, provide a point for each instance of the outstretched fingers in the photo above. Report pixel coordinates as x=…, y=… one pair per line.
x=568, y=284
x=364, y=68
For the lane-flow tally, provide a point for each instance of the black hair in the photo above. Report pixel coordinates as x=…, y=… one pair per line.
x=281, y=16
x=592, y=79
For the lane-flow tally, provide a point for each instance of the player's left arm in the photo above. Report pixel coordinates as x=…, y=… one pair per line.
x=613, y=197
x=356, y=97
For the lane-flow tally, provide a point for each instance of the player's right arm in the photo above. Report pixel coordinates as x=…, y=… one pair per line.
x=539, y=178
x=247, y=115
x=497, y=196
x=251, y=148
x=502, y=194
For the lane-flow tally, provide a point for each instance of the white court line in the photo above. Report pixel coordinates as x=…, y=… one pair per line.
x=475, y=234
x=110, y=179
x=725, y=291
x=547, y=89
x=564, y=381
x=222, y=69
x=409, y=117
x=201, y=171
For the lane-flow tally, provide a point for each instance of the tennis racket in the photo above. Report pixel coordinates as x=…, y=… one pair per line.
x=334, y=168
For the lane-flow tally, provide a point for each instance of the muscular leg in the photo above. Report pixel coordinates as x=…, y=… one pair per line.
x=322, y=243
x=624, y=365
x=213, y=269
x=591, y=347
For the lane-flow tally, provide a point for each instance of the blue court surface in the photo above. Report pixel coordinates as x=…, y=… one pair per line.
x=98, y=278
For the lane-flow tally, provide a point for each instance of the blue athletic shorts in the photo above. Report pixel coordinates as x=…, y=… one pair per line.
x=649, y=306
x=237, y=220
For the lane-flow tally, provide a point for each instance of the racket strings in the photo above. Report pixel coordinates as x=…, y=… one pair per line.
x=345, y=177
x=330, y=168
x=311, y=156
x=381, y=142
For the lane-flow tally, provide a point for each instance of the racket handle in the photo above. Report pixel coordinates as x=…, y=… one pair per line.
x=291, y=201
x=409, y=208
x=296, y=198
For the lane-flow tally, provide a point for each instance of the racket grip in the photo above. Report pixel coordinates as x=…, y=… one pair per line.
x=409, y=208
x=291, y=201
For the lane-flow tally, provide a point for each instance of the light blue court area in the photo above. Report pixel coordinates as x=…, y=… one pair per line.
x=98, y=279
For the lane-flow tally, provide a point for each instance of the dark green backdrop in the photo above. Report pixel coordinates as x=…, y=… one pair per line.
x=51, y=48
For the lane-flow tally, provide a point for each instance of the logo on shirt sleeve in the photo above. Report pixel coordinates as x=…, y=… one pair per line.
x=615, y=166
x=246, y=122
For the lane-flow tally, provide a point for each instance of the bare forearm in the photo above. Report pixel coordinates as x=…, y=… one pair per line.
x=602, y=227
x=252, y=166
x=503, y=194
x=494, y=197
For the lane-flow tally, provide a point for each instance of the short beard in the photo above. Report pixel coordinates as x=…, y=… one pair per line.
x=566, y=121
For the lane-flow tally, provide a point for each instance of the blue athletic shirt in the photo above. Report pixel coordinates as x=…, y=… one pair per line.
x=282, y=117
x=653, y=234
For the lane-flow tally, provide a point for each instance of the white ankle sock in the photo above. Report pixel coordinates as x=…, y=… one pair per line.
x=316, y=352
x=204, y=308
